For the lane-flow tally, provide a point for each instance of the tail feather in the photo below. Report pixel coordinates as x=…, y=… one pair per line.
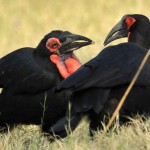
x=64, y=126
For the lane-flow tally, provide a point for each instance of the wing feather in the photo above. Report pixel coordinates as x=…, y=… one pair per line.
x=113, y=66
x=20, y=72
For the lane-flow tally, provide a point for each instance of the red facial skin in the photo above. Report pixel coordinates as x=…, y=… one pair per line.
x=67, y=67
x=72, y=65
x=53, y=44
x=129, y=21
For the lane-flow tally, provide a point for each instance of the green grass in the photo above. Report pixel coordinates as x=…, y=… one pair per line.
x=24, y=23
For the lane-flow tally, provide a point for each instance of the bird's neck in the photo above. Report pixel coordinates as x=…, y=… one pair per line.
x=43, y=59
x=141, y=35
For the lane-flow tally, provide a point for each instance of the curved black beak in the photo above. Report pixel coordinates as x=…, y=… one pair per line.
x=120, y=30
x=74, y=42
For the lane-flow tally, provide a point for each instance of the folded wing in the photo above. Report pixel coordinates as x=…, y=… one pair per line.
x=113, y=66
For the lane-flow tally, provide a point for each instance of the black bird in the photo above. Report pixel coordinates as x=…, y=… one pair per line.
x=134, y=26
x=29, y=76
x=100, y=83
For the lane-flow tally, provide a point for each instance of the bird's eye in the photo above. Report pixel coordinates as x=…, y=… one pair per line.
x=54, y=45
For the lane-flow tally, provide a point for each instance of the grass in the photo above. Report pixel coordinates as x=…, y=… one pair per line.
x=133, y=137
x=24, y=23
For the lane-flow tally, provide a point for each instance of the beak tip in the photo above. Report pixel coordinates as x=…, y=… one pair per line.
x=105, y=43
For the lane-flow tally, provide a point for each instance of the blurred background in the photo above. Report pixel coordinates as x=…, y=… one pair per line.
x=24, y=23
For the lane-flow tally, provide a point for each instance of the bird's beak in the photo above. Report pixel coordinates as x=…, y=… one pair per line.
x=120, y=30
x=74, y=42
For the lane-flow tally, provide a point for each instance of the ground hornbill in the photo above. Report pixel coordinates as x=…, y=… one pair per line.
x=103, y=80
x=136, y=27
x=99, y=84
x=28, y=77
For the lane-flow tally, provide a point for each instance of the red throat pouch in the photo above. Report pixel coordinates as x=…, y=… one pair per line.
x=72, y=65
x=65, y=68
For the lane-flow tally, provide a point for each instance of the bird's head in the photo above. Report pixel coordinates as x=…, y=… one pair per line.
x=62, y=42
x=126, y=26
x=59, y=46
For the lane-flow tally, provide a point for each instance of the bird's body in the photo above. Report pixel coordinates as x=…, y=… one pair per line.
x=29, y=76
x=100, y=83
x=24, y=71
x=27, y=84
x=42, y=108
x=105, y=78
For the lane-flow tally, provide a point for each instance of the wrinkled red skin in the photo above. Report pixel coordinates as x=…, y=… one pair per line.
x=129, y=21
x=67, y=67
x=50, y=42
